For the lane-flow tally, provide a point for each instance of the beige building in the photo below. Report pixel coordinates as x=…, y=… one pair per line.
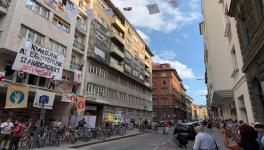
x=203, y=112
x=114, y=61
x=228, y=95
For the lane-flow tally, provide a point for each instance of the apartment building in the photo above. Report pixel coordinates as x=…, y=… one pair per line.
x=250, y=30
x=228, y=94
x=96, y=48
x=118, y=73
x=169, y=101
x=189, y=102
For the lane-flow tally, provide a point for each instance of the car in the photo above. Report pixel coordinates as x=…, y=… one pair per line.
x=186, y=129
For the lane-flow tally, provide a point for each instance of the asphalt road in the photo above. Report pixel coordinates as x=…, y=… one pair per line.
x=148, y=141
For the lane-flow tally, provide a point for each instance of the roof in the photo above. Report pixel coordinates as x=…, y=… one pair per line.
x=157, y=67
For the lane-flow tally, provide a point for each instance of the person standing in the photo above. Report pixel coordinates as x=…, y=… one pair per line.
x=17, y=134
x=247, y=140
x=204, y=140
x=6, y=129
x=52, y=83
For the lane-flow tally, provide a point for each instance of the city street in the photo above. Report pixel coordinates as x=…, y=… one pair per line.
x=151, y=141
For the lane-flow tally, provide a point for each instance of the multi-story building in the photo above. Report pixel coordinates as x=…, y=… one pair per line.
x=203, y=112
x=228, y=95
x=118, y=73
x=189, y=102
x=249, y=16
x=168, y=93
x=114, y=61
x=195, y=112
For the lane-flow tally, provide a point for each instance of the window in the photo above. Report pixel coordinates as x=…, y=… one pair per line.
x=31, y=35
x=99, y=53
x=61, y=24
x=100, y=36
x=234, y=59
x=73, y=59
x=102, y=5
x=101, y=21
x=37, y=8
x=164, y=82
x=127, y=68
x=54, y=46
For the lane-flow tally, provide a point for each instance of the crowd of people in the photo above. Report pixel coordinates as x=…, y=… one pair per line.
x=237, y=135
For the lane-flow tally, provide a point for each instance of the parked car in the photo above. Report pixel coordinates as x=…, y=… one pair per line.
x=186, y=129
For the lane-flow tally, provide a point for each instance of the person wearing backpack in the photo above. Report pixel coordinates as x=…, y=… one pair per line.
x=17, y=134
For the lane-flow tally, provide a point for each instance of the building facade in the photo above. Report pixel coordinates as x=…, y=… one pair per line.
x=195, y=112
x=98, y=48
x=189, y=102
x=168, y=94
x=228, y=94
x=203, y=112
x=249, y=16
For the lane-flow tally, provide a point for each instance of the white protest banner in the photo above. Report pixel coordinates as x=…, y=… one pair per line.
x=78, y=76
x=34, y=59
x=153, y=9
x=44, y=97
x=68, y=98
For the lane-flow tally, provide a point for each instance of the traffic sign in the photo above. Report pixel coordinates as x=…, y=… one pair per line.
x=44, y=99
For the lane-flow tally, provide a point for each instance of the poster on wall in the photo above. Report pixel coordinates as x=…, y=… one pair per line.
x=77, y=76
x=44, y=97
x=37, y=60
x=17, y=96
x=80, y=104
x=68, y=98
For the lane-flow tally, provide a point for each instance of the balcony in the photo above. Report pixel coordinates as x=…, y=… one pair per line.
x=4, y=4
x=117, y=67
x=117, y=38
x=74, y=66
x=115, y=51
x=117, y=23
x=78, y=45
x=147, y=73
x=147, y=83
x=116, y=64
x=81, y=27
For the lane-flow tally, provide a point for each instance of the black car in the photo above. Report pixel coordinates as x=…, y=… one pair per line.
x=186, y=130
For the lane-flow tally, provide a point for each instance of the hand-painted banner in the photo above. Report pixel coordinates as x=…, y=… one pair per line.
x=17, y=96
x=44, y=97
x=77, y=76
x=37, y=60
x=80, y=104
x=68, y=98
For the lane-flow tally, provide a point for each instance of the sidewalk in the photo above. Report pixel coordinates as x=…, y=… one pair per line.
x=78, y=144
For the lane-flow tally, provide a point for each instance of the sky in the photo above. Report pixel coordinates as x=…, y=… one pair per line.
x=173, y=36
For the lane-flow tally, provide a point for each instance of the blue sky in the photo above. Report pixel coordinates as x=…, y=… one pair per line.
x=173, y=36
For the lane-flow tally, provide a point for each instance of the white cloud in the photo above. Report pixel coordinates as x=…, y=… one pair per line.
x=167, y=20
x=201, y=92
x=183, y=70
x=145, y=37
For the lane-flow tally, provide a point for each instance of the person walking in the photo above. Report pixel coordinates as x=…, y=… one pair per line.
x=6, y=129
x=17, y=134
x=204, y=141
x=247, y=140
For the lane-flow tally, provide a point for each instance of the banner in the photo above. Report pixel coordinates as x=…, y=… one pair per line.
x=68, y=98
x=17, y=96
x=80, y=104
x=77, y=76
x=44, y=97
x=39, y=61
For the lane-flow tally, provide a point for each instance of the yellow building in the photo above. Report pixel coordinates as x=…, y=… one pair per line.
x=202, y=112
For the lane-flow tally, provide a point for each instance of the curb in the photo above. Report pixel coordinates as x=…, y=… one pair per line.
x=106, y=140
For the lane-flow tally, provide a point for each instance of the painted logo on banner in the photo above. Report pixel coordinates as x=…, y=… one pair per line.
x=34, y=59
x=68, y=98
x=17, y=96
x=80, y=104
